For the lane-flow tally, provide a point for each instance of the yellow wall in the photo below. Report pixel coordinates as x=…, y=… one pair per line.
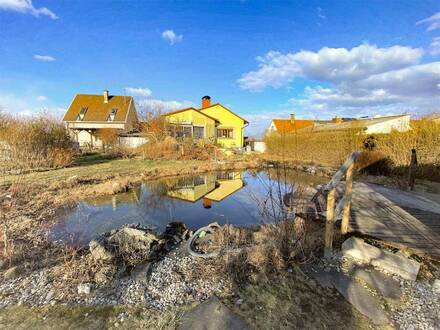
x=227, y=120
x=193, y=117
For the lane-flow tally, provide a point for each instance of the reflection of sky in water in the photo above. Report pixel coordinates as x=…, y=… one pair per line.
x=151, y=205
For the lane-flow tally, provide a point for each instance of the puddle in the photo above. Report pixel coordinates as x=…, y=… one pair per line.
x=239, y=198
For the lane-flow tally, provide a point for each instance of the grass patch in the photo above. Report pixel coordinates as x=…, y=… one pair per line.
x=87, y=317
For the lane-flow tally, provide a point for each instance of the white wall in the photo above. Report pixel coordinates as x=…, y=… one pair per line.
x=400, y=124
x=260, y=146
x=132, y=141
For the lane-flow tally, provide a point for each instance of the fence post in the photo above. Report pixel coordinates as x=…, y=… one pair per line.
x=329, y=223
x=412, y=169
x=348, y=191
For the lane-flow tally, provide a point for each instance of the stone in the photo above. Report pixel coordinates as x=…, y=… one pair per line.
x=352, y=291
x=11, y=273
x=397, y=265
x=383, y=284
x=359, y=297
x=84, y=288
x=436, y=286
x=356, y=248
x=99, y=252
x=132, y=239
x=212, y=315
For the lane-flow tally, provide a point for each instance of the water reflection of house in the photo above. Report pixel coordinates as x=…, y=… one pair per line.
x=131, y=197
x=192, y=188
x=212, y=187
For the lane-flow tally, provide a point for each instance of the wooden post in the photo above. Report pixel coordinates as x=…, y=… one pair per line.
x=412, y=169
x=329, y=223
x=348, y=191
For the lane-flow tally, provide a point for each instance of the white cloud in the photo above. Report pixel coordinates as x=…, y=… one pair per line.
x=432, y=23
x=41, y=98
x=364, y=80
x=321, y=13
x=26, y=7
x=26, y=106
x=171, y=37
x=44, y=58
x=139, y=92
x=328, y=64
x=146, y=104
x=434, y=47
x=161, y=106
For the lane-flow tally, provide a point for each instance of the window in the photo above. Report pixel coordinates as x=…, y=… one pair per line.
x=199, y=132
x=112, y=114
x=225, y=133
x=81, y=114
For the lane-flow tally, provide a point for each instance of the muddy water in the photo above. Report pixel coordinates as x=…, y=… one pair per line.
x=240, y=198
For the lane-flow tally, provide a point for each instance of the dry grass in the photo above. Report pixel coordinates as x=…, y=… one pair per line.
x=171, y=149
x=34, y=143
x=391, y=151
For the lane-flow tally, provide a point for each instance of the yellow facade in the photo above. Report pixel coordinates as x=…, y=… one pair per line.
x=227, y=121
x=220, y=124
x=192, y=118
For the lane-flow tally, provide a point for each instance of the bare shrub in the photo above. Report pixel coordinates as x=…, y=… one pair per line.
x=39, y=142
x=327, y=148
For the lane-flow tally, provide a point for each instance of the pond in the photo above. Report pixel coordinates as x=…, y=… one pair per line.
x=241, y=198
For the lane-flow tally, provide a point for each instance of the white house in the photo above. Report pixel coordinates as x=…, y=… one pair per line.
x=88, y=114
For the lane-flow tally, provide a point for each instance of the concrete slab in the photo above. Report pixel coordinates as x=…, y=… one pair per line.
x=212, y=315
x=356, y=248
x=352, y=291
x=383, y=284
x=359, y=297
x=397, y=264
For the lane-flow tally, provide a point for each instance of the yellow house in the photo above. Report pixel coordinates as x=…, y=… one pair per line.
x=213, y=122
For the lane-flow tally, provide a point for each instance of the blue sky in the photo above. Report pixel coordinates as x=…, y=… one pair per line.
x=263, y=59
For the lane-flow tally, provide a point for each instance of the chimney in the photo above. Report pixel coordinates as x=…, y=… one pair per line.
x=106, y=96
x=292, y=118
x=337, y=120
x=206, y=101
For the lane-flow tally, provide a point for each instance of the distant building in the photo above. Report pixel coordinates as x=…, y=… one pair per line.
x=212, y=122
x=366, y=125
x=289, y=125
x=87, y=114
x=378, y=125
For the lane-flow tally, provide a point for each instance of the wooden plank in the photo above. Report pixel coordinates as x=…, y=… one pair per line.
x=348, y=193
x=329, y=223
x=374, y=215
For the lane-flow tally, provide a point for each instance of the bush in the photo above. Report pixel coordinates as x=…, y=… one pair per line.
x=34, y=143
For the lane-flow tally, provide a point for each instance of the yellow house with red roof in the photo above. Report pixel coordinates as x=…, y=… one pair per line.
x=213, y=122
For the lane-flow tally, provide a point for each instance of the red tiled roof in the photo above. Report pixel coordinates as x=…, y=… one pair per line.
x=286, y=125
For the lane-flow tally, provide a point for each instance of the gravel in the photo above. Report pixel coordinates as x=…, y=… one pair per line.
x=167, y=285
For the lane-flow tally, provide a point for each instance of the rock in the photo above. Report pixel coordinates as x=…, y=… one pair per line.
x=132, y=239
x=99, y=251
x=212, y=315
x=398, y=265
x=11, y=273
x=383, y=284
x=436, y=286
x=84, y=288
x=357, y=249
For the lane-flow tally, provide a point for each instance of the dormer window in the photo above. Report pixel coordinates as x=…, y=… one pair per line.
x=81, y=114
x=112, y=114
